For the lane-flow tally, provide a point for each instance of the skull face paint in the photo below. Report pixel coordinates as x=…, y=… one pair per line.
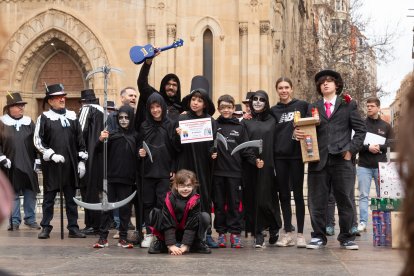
x=258, y=103
x=123, y=120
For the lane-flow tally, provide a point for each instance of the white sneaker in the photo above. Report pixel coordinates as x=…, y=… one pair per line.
x=300, y=241
x=146, y=242
x=116, y=236
x=287, y=240
x=362, y=227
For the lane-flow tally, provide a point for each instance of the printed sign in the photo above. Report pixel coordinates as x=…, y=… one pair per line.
x=390, y=183
x=197, y=130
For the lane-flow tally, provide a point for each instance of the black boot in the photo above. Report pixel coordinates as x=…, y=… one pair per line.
x=44, y=234
x=200, y=247
x=157, y=247
x=76, y=233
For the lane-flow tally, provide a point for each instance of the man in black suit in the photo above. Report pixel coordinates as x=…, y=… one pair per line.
x=338, y=117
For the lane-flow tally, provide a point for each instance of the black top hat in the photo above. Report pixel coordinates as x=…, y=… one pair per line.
x=55, y=90
x=248, y=96
x=14, y=99
x=88, y=95
x=110, y=105
x=238, y=110
x=331, y=73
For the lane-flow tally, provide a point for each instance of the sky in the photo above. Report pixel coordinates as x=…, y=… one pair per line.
x=392, y=14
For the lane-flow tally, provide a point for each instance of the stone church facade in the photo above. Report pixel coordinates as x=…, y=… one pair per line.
x=238, y=45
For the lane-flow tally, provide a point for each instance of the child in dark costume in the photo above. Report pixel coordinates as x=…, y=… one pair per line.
x=122, y=164
x=180, y=226
x=158, y=132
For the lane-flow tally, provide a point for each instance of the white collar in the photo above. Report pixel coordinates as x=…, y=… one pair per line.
x=9, y=121
x=333, y=101
x=53, y=116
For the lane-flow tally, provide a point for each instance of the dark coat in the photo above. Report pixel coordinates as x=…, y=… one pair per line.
x=16, y=144
x=160, y=136
x=334, y=134
x=59, y=134
x=196, y=157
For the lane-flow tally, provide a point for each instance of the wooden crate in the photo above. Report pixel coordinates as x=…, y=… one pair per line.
x=308, y=125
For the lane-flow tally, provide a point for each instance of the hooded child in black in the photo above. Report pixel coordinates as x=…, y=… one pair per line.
x=122, y=164
x=170, y=90
x=197, y=156
x=158, y=132
x=261, y=200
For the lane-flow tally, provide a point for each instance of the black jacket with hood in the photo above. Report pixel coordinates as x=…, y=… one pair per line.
x=284, y=146
x=174, y=106
x=160, y=136
x=122, y=151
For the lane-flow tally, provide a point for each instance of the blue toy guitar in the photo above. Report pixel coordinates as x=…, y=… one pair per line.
x=139, y=54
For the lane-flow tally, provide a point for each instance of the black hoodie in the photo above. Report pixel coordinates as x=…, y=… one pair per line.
x=145, y=90
x=122, y=151
x=160, y=137
x=284, y=146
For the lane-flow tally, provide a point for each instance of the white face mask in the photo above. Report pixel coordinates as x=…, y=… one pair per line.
x=123, y=120
x=258, y=103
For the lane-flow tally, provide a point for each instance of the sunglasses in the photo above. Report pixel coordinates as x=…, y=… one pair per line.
x=263, y=100
x=123, y=117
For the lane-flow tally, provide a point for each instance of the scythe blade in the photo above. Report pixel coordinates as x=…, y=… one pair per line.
x=254, y=143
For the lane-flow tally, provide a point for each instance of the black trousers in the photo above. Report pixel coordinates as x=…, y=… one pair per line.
x=227, y=195
x=69, y=193
x=117, y=192
x=340, y=174
x=153, y=196
x=289, y=177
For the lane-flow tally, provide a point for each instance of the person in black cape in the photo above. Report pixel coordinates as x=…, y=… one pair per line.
x=261, y=200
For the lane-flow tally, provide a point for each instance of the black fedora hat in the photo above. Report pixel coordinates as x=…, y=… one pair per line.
x=201, y=85
x=248, y=96
x=54, y=90
x=14, y=99
x=331, y=73
x=238, y=110
x=88, y=95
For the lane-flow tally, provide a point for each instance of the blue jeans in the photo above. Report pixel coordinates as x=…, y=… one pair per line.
x=365, y=176
x=29, y=207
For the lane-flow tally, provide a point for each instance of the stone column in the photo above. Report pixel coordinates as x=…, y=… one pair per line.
x=264, y=55
x=171, y=36
x=243, y=31
x=151, y=39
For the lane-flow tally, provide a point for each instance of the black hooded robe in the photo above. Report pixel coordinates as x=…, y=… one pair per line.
x=261, y=197
x=174, y=106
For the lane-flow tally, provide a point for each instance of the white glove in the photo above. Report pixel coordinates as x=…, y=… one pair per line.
x=58, y=158
x=7, y=165
x=81, y=169
x=83, y=155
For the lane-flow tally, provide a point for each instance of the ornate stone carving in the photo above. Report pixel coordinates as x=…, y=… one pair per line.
x=161, y=6
x=264, y=27
x=171, y=30
x=243, y=28
x=151, y=31
x=25, y=42
x=254, y=4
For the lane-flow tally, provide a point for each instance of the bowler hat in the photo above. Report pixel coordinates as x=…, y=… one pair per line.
x=14, y=99
x=248, y=96
x=331, y=73
x=88, y=95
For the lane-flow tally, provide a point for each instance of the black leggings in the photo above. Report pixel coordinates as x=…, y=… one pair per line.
x=289, y=176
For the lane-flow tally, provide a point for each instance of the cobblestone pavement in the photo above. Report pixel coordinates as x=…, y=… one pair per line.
x=21, y=253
